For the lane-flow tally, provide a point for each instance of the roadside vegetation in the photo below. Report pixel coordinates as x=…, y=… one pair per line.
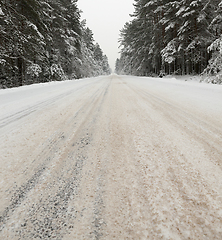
x=44, y=40
x=173, y=37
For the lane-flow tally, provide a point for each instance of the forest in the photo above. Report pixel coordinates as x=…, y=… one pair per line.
x=173, y=37
x=45, y=40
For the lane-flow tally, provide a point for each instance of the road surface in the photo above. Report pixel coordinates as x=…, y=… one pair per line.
x=112, y=157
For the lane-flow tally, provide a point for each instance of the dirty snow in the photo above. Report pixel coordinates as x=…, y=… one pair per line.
x=115, y=157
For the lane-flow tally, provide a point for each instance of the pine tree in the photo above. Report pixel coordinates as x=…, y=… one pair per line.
x=21, y=37
x=168, y=35
x=214, y=68
x=93, y=62
x=43, y=40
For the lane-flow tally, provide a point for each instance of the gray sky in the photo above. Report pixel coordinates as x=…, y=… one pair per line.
x=106, y=18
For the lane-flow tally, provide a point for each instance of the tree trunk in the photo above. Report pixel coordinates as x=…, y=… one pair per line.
x=21, y=71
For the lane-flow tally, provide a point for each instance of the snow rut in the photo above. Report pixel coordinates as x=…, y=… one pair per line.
x=41, y=202
x=115, y=161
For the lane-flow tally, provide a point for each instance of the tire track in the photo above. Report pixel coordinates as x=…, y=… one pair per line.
x=125, y=164
x=57, y=221
x=209, y=136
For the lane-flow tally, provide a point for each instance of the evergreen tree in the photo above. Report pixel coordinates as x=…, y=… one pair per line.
x=43, y=40
x=93, y=62
x=168, y=35
x=214, y=69
x=22, y=39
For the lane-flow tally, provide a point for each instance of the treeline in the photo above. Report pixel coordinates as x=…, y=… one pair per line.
x=44, y=40
x=174, y=37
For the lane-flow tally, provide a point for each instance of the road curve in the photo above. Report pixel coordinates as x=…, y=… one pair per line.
x=122, y=158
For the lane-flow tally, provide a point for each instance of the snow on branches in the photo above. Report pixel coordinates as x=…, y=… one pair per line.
x=34, y=70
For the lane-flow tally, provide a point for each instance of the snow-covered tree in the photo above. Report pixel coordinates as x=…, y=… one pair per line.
x=46, y=35
x=169, y=35
x=214, y=68
x=93, y=61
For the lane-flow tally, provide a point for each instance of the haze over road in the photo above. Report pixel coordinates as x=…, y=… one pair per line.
x=114, y=157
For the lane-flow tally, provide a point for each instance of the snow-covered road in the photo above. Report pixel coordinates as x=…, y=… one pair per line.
x=114, y=157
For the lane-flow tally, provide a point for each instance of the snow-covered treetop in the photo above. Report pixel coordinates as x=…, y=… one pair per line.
x=1, y=12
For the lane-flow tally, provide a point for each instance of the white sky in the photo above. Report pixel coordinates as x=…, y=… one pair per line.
x=106, y=18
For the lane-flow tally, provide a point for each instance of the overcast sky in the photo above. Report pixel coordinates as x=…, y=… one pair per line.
x=106, y=18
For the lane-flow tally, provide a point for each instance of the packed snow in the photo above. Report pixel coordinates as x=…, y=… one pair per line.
x=113, y=157
x=41, y=91
x=16, y=102
x=187, y=89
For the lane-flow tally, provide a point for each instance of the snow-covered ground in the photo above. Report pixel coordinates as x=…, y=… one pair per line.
x=188, y=92
x=185, y=88
x=113, y=157
x=193, y=78
x=14, y=100
x=16, y=103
